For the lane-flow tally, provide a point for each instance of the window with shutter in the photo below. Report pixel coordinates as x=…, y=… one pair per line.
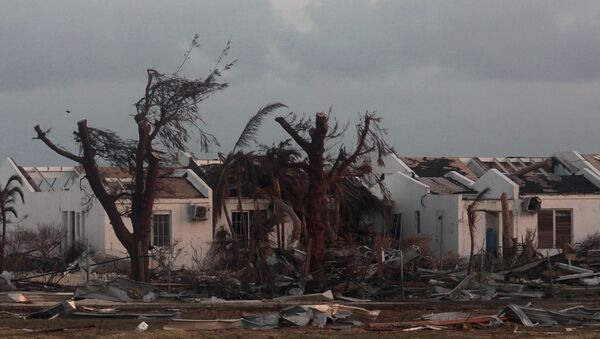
x=555, y=228
x=545, y=230
x=563, y=227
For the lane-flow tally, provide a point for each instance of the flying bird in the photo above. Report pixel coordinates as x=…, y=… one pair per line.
x=68, y=112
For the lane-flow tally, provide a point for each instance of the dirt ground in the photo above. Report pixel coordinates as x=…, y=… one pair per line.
x=391, y=312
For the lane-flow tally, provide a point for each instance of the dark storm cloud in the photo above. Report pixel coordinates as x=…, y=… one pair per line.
x=449, y=77
x=505, y=40
x=66, y=42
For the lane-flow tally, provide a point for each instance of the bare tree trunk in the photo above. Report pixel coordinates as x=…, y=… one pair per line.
x=507, y=231
x=472, y=230
x=472, y=218
x=317, y=207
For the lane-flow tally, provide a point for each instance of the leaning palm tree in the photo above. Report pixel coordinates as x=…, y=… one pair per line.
x=8, y=200
x=236, y=164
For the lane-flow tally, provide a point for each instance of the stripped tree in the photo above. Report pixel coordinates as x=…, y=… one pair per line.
x=167, y=117
x=322, y=171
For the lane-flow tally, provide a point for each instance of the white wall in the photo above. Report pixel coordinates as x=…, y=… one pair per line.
x=445, y=231
x=47, y=207
x=188, y=234
x=498, y=183
x=585, y=213
x=410, y=195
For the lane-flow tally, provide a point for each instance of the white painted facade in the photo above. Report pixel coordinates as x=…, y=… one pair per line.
x=443, y=217
x=281, y=234
x=61, y=199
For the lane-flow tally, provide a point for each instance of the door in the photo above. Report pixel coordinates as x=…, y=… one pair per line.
x=439, y=233
x=492, y=225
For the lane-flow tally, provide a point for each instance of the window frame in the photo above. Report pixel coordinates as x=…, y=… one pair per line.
x=244, y=234
x=161, y=238
x=554, y=223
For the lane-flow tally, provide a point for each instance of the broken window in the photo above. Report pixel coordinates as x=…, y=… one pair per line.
x=555, y=227
x=161, y=229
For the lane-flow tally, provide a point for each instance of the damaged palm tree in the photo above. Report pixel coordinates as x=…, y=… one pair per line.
x=166, y=118
x=238, y=170
x=312, y=137
x=9, y=195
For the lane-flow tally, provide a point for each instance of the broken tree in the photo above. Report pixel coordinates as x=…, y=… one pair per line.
x=312, y=137
x=166, y=116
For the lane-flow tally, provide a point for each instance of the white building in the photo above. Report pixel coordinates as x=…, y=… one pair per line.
x=61, y=196
x=240, y=218
x=431, y=196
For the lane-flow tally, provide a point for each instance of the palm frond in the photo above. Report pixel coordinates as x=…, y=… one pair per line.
x=15, y=191
x=253, y=124
x=10, y=210
x=13, y=178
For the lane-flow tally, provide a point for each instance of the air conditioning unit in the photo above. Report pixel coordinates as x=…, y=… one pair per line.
x=532, y=204
x=198, y=212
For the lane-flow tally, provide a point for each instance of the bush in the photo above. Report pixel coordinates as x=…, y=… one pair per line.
x=591, y=242
x=111, y=265
x=35, y=249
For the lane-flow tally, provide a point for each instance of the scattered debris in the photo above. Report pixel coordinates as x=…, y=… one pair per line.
x=216, y=324
x=141, y=327
x=64, y=308
x=6, y=282
x=121, y=289
x=325, y=296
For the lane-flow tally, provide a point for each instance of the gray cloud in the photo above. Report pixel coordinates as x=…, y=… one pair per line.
x=460, y=77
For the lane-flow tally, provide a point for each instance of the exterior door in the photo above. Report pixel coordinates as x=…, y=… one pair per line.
x=439, y=229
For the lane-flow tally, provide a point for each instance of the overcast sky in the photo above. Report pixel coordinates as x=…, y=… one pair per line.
x=448, y=77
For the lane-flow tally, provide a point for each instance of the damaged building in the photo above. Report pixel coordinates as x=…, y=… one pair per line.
x=557, y=198
x=60, y=196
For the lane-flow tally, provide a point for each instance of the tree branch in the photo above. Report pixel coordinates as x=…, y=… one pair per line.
x=95, y=180
x=60, y=151
x=120, y=195
x=336, y=174
x=293, y=133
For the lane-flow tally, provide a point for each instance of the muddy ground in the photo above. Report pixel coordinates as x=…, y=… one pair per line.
x=390, y=312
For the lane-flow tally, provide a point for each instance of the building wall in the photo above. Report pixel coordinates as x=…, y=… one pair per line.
x=585, y=214
x=440, y=219
x=45, y=208
x=253, y=205
x=192, y=237
x=489, y=215
x=411, y=196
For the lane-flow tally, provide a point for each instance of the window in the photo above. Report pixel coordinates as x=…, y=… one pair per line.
x=418, y=221
x=555, y=227
x=78, y=225
x=161, y=230
x=240, y=222
x=72, y=226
